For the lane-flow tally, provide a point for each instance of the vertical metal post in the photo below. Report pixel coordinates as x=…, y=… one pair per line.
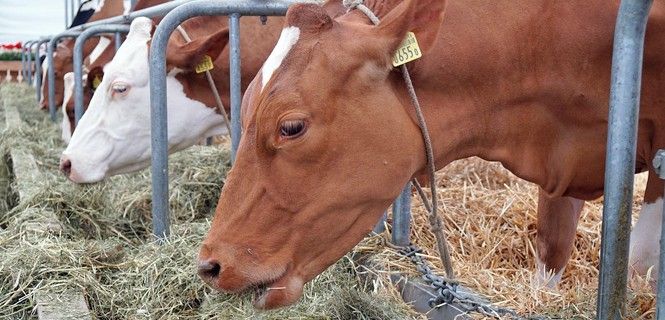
x=78, y=61
x=158, y=120
x=620, y=158
x=402, y=217
x=118, y=41
x=23, y=60
x=235, y=87
x=38, y=70
x=50, y=49
x=659, y=163
x=67, y=21
x=381, y=225
x=31, y=57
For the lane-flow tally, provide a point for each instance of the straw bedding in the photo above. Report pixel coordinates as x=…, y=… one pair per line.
x=106, y=249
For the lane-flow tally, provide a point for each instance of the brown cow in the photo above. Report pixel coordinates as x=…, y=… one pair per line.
x=330, y=136
x=62, y=57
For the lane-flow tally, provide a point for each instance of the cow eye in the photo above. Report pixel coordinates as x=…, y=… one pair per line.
x=119, y=87
x=292, y=128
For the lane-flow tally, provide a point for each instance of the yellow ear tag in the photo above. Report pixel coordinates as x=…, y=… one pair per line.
x=96, y=81
x=205, y=64
x=407, y=51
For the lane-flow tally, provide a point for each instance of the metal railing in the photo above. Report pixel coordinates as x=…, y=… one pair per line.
x=620, y=157
x=78, y=60
x=158, y=10
x=159, y=131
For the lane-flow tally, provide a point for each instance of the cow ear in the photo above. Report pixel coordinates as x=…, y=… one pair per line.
x=95, y=77
x=424, y=18
x=187, y=56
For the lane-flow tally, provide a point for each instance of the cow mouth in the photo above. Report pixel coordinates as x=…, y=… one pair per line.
x=262, y=291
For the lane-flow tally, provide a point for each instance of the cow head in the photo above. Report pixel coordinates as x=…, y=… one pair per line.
x=113, y=136
x=329, y=141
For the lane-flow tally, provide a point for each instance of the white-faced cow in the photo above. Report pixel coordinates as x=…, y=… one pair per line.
x=113, y=136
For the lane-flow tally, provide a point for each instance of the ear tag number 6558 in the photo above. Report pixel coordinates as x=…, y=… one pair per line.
x=407, y=51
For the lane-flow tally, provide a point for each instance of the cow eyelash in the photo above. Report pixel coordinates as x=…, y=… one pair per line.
x=119, y=88
x=292, y=128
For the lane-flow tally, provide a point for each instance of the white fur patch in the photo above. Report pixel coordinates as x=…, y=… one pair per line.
x=99, y=49
x=88, y=6
x=644, y=239
x=140, y=27
x=100, y=5
x=69, y=93
x=287, y=39
x=546, y=278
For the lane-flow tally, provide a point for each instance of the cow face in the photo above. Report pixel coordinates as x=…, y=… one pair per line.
x=319, y=160
x=113, y=136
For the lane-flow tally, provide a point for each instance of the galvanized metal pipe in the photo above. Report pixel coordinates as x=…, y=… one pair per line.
x=159, y=131
x=381, y=225
x=235, y=84
x=154, y=11
x=78, y=61
x=67, y=19
x=51, y=72
x=33, y=55
x=620, y=158
x=118, y=41
x=38, y=69
x=402, y=217
x=659, y=162
x=23, y=59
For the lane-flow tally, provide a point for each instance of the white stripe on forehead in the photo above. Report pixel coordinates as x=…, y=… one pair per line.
x=287, y=39
x=99, y=49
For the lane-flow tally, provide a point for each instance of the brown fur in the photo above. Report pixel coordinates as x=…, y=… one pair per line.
x=526, y=84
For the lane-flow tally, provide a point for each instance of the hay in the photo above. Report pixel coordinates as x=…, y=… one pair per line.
x=490, y=218
x=106, y=249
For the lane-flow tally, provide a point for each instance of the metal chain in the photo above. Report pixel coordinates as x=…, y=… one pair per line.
x=447, y=290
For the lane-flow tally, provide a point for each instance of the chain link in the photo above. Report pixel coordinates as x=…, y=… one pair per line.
x=447, y=290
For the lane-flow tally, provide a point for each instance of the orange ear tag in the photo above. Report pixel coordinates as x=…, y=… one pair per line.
x=204, y=65
x=407, y=51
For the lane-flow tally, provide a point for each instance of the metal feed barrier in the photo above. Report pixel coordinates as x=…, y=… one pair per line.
x=158, y=10
x=78, y=60
x=620, y=158
x=159, y=131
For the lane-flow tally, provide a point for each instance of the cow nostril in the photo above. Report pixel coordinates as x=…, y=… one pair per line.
x=66, y=166
x=209, y=269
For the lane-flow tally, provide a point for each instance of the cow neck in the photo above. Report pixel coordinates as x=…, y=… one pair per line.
x=435, y=221
x=211, y=83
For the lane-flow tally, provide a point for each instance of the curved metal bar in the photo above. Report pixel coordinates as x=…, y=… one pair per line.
x=38, y=69
x=31, y=54
x=51, y=72
x=24, y=59
x=620, y=157
x=78, y=61
x=159, y=131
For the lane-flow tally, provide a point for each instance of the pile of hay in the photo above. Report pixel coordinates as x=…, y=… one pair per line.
x=106, y=249
x=490, y=220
